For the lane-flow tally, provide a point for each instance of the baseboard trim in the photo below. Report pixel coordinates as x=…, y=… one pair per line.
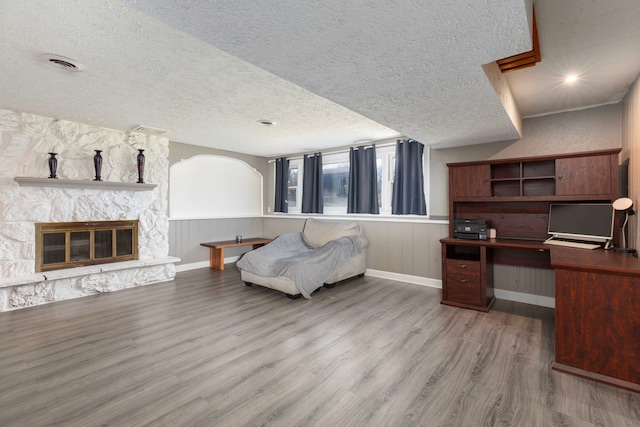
x=502, y=294
x=539, y=300
x=192, y=266
x=203, y=264
x=399, y=277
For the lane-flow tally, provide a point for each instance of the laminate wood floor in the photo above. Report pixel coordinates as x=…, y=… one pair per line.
x=205, y=350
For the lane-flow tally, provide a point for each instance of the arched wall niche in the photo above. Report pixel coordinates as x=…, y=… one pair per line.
x=209, y=186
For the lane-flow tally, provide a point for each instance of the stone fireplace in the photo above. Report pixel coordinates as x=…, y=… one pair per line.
x=29, y=199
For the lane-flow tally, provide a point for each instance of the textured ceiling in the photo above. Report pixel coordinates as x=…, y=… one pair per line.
x=328, y=73
x=596, y=40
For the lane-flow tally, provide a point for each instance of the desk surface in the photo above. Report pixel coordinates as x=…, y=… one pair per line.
x=597, y=260
x=534, y=245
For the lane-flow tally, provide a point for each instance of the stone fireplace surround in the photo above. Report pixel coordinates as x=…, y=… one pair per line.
x=25, y=140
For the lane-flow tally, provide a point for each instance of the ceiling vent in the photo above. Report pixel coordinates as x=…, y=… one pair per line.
x=523, y=60
x=149, y=130
x=62, y=62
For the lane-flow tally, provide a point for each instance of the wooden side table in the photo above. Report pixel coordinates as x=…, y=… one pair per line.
x=216, y=249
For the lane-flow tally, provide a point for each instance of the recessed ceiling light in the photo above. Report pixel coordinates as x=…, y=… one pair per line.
x=266, y=122
x=571, y=78
x=62, y=62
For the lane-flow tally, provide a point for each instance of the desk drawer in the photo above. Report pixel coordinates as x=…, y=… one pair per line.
x=463, y=267
x=464, y=289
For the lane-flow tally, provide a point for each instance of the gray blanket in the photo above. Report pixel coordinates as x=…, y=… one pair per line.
x=290, y=256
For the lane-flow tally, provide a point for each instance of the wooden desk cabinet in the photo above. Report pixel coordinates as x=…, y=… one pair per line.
x=598, y=316
x=514, y=196
x=467, y=268
x=467, y=277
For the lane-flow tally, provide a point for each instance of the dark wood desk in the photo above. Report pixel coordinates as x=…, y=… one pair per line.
x=216, y=252
x=597, y=294
x=598, y=316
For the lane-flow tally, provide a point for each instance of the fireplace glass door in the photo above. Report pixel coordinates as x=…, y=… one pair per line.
x=124, y=238
x=103, y=244
x=73, y=244
x=54, y=248
x=80, y=245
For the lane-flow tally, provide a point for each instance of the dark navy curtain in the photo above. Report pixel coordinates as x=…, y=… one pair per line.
x=282, y=185
x=408, y=184
x=363, y=181
x=312, y=188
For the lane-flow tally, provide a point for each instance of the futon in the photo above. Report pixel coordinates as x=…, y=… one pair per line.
x=324, y=253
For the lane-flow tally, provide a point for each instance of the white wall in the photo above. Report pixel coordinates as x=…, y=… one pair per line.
x=207, y=186
x=631, y=151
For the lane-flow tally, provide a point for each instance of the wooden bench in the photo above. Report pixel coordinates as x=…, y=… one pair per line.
x=216, y=249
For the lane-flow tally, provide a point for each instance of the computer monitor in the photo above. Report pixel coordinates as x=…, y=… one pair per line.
x=582, y=221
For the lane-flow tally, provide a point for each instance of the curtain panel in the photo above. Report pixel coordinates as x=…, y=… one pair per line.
x=312, y=187
x=363, y=181
x=282, y=185
x=408, y=185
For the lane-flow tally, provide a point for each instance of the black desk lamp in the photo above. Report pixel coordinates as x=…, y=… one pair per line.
x=625, y=205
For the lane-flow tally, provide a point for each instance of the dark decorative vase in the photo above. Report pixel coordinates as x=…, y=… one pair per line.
x=97, y=164
x=53, y=165
x=140, y=160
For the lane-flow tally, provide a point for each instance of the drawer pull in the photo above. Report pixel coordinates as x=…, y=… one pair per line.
x=462, y=265
x=462, y=280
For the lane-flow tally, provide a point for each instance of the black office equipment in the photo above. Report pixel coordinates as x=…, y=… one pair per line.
x=471, y=229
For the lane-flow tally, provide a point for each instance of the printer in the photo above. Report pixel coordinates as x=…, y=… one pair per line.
x=471, y=229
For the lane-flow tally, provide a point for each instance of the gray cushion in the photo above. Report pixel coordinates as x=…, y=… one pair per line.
x=318, y=232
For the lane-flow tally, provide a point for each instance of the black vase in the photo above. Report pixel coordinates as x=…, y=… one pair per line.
x=97, y=164
x=53, y=165
x=140, y=160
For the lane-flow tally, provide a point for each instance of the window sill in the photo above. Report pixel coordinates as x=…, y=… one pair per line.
x=366, y=217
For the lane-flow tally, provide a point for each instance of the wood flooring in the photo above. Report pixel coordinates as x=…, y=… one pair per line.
x=205, y=350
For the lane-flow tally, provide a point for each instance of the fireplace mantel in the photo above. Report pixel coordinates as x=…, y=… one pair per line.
x=26, y=181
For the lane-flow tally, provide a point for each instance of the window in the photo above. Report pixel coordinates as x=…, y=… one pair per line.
x=386, y=162
x=294, y=197
x=335, y=171
x=335, y=182
x=292, y=183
